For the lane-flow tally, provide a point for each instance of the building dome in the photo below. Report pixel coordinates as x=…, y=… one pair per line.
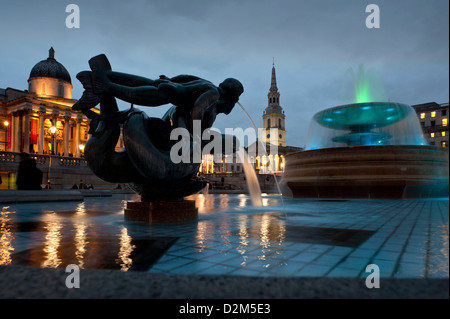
x=50, y=68
x=49, y=78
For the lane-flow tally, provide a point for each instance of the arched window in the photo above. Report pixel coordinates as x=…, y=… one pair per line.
x=268, y=123
x=279, y=123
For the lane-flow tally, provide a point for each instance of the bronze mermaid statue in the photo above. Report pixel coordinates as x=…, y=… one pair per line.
x=145, y=162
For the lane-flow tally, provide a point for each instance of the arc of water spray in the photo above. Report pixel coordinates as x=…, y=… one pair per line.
x=265, y=152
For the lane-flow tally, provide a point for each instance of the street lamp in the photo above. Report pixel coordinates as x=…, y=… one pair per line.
x=6, y=124
x=53, y=131
x=81, y=147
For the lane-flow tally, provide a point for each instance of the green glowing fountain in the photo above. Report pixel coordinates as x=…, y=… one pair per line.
x=368, y=148
x=365, y=121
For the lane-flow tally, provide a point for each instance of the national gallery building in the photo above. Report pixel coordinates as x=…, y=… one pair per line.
x=40, y=121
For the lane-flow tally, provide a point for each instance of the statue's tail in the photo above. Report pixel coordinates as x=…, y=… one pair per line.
x=89, y=99
x=93, y=82
x=99, y=66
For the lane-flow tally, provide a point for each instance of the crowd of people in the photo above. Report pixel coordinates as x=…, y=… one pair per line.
x=29, y=176
x=82, y=185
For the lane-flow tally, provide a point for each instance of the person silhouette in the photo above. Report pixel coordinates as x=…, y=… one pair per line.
x=29, y=177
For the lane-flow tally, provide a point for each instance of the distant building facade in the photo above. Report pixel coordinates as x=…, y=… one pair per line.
x=433, y=118
x=40, y=121
x=268, y=153
x=272, y=145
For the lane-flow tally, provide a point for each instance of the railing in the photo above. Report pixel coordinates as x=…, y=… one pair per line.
x=44, y=160
x=8, y=157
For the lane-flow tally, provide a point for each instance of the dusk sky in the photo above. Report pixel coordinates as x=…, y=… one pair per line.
x=313, y=43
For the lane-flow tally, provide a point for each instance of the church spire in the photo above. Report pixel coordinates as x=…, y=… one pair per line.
x=273, y=82
x=273, y=116
x=273, y=95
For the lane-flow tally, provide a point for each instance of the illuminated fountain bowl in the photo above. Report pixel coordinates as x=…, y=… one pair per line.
x=367, y=150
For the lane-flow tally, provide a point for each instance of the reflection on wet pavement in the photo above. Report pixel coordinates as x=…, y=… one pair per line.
x=317, y=238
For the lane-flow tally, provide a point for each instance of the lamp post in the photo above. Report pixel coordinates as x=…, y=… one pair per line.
x=53, y=131
x=81, y=147
x=6, y=124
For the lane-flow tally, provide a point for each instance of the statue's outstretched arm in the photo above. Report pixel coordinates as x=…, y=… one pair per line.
x=130, y=79
x=141, y=95
x=184, y=78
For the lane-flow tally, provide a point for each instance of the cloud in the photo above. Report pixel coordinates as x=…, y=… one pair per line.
x=313, y=43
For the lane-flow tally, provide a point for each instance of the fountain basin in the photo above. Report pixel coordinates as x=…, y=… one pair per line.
x=369, y=123
x=382, y=171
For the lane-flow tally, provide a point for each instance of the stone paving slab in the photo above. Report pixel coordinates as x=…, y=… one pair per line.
x=311, y=241
x=31, y=282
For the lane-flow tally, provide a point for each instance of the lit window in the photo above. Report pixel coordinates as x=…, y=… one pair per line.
x=444, y=122
x=422, y=115
x=444, y=144
x=433, y=114
x=432, y=134
x=443, y=133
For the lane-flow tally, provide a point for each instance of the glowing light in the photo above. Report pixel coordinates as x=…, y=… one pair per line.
x=126, y=248
x=52, y=243
x=6, y=238
x=80, y=243
x=53, y=129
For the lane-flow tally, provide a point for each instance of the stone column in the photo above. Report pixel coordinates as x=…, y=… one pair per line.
x=20, y=132
x=78, y=137
x=41, y=132
x=12, y=127
x=66, y=135
x=26, y=131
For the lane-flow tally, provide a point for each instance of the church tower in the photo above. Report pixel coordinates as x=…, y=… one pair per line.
x=274, y=131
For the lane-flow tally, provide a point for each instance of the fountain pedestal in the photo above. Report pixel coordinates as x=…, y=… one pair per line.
x=161, y=211
x=385, y=171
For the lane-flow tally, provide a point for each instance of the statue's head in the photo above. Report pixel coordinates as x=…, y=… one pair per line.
x=230, y=90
